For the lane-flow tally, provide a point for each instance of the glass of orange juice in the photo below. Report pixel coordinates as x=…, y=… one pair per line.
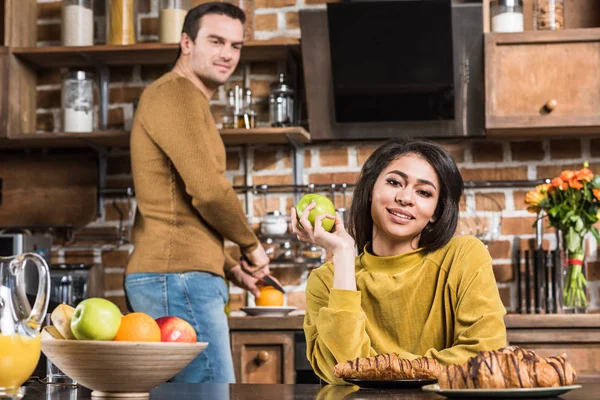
x=20, y=342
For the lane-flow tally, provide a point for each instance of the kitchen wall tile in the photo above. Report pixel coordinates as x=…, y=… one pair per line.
x=503, y=272
x=491, y=174
x=487, y=151
x=527, y=151
x=565, y=148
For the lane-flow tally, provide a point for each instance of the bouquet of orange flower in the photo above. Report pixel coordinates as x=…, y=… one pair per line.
x=571, y=202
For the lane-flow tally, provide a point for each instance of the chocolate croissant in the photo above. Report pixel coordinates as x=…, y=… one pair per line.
x=509, y=367
x=387, y=367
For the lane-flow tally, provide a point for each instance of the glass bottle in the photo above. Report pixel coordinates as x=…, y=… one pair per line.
x=171, y=17
x=548, y=15
x=281, y=103
x=121, y=21
x=78, y=101
x=249, y=115
x=77, y=23
x=507, y=15
x=228, y=117
x=238, y=112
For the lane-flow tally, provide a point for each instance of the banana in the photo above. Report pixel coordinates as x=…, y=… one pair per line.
x=61, y=318
x=50, y=332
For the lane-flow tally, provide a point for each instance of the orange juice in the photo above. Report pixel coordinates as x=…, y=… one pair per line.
x=19, y=356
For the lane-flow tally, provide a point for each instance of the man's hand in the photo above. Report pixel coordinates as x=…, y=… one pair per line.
x=243, y=280
x=258, y=262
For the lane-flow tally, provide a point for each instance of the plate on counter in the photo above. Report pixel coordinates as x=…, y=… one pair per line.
x=268, y=311
x=514, y=393
x=390, y=383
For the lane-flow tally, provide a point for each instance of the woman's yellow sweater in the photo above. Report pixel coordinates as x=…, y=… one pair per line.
x=443, y=304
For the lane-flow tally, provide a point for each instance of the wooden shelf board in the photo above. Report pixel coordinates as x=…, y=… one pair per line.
x=66, y=140
x=120, y=139
x=142, y=53
x=263, y=135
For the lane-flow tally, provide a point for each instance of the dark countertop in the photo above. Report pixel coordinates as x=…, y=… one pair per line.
x=207, y=391
x=512, y=321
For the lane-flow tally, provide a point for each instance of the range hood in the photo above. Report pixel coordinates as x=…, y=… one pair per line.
x=375, y=70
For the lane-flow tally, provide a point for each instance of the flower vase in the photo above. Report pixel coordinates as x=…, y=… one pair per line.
x=574, y=298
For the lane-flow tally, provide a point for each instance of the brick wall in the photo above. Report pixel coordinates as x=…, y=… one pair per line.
x=337, y=163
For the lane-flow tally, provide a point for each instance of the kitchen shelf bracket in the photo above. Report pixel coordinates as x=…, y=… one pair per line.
x=297, y=162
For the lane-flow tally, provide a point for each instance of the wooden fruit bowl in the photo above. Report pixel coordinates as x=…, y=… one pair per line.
x=127, y=369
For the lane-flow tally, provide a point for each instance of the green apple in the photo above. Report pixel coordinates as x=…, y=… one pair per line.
x=96, y=319
x=324, y=206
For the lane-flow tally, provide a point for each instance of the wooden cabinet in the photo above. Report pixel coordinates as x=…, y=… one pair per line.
x=263, y=357
x=577, y=336
x=542, y=82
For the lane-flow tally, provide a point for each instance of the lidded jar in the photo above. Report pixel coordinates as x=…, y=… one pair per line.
x=77, y=23
x=78, y=101
x=121, y=21
x=507, y=15
x=171, y=17
x=281, y=103
x=548, y=15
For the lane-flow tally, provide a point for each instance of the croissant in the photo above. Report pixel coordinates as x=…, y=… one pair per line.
x=387, y=367
x=509, y=367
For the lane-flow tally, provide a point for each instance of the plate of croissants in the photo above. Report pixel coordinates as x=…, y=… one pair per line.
x=509, y=372
x=388, y=371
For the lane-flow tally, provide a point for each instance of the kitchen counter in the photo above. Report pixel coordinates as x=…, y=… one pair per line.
x=512, y=321
x=183, y=391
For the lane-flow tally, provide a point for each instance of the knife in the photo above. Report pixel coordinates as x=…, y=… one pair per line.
x=268, y=279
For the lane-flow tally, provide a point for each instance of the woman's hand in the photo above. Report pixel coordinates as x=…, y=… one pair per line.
x=338, y=243
x=337, y=240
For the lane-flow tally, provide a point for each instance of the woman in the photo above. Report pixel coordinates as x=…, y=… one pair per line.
x=414, y=289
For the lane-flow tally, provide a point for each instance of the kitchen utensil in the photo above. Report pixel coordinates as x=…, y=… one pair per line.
x=269, y=280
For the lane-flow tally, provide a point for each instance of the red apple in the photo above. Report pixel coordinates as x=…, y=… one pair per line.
x=174, y=329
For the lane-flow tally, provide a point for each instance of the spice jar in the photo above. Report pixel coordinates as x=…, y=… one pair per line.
x=121, y=21
x=281, y=103
x=77, y=23
x=78, y=101
x=548, y=15
x=507, y=15
x=171, y=17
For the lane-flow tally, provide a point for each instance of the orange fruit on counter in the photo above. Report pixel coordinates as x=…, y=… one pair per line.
x=138, y=327
x=269, y=296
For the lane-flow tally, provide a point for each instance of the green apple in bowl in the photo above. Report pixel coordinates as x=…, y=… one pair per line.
x=96, y=319
x=324, y=206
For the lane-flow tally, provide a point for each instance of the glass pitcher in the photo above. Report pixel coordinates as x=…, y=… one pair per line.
x=20, y=344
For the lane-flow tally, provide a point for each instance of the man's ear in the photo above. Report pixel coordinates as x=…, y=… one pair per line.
x=186, y=44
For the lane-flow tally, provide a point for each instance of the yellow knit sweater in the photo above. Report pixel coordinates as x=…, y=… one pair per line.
x=186, y=205
x=444, y=304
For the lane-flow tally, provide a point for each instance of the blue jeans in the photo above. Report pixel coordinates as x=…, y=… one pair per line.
x=199, y=298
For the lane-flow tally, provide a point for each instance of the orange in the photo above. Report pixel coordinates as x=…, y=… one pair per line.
x=138, y=327
x=269, y=296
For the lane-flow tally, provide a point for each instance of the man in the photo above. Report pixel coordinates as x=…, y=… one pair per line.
x=186, y=205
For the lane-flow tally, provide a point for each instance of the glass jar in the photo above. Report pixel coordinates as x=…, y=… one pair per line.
x=171, y=16
x=78, y=101
x=77, y=23
x=281, y=103
x=121, y=21
x=548, y=15
x=507, y=15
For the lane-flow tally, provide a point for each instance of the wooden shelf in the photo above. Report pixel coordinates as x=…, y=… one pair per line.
x=264, y=135
x=120, y=139
x=142, y=53
x=66, y=140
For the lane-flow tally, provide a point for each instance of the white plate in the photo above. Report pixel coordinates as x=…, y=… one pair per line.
x=268, y=311
x=501, y=393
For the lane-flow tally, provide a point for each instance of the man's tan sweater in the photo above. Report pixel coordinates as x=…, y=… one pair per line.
x=185, y=204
